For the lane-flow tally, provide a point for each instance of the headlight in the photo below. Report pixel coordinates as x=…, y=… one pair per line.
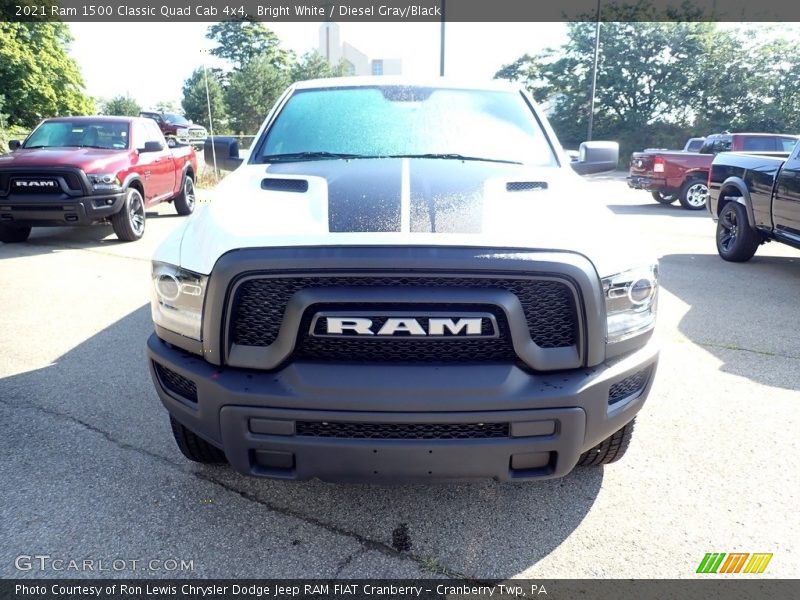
x=631, y=298
x=105, y=182
x=177, y=302
x=182, y=131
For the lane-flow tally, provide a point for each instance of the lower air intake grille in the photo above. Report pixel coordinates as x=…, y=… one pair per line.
x=402, y=431
x=629, y=386
x=175, y=383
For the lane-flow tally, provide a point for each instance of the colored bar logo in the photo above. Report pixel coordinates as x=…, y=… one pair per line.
x=736, y=562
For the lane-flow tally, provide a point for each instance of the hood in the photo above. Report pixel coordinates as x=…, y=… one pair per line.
x=420, y=202
x=92, y=160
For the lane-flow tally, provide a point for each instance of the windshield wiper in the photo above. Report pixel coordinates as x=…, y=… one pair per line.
x=453, y=156
x=301, y=156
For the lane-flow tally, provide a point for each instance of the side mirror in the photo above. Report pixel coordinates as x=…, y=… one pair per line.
x=152, y=147
x=14, y=144
x=226, y=151
x=596, y=157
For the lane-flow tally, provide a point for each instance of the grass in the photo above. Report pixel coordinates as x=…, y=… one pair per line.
x=207, y=179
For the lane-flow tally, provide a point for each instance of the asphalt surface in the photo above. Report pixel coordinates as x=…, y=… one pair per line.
x=90, y=470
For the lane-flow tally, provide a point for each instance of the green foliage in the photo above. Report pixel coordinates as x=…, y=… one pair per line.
x=38, y=76
x=242, y=41
x=195, y=102
x=124, y=106
x=312, y=65
x=167, y=106
x=251, y=92
x=659, y=83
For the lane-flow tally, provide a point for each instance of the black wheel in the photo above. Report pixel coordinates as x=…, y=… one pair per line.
x=736, y=240
x=663, y=198
x=128, y=223
x=184, y=202
x=171, y=142
x=609, y=450
x=694, y=194
x=9, y=234
x=194, y=447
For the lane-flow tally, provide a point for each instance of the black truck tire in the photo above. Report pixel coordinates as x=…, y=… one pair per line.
x=609, y=450
x=694, y=194
x=184, y=202
x=129, y=222
x=663, y=198
x=194, y=447
x=10, y=234
x=736, y=240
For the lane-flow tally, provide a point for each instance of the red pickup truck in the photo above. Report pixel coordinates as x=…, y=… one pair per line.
x=683, y=176
x=85, y=170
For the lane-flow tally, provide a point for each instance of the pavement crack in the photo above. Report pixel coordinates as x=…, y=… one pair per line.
x=347, y=560
x=366, y=543
x=736, y=348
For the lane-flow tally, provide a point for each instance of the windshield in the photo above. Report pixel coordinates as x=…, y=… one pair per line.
x=175, y=119
x=382, y=121
x=87, y=134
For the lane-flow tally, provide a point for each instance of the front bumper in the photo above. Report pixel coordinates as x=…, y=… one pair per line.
x=257, y=417
x=58, y=210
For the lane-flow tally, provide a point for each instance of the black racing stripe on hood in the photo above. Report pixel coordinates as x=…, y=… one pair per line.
x=448, y=196
x=363, y=195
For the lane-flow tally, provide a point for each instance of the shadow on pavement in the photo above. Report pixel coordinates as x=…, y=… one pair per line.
x=735, y=307
x=102, y=393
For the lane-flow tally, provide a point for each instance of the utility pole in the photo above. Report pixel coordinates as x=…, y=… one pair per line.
x=594, y=72
x=210, y=122
x=441, y=48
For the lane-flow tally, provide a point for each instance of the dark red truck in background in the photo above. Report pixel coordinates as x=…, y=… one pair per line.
x=85, y=170
x=683, y=176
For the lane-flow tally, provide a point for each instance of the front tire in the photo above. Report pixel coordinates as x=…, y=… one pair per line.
x=663, y=198
x=129, y=222
x=610, y=449
x=195, y=448
x=694, y=194
x=736, y=240
x=10, y=234
x=184, y=202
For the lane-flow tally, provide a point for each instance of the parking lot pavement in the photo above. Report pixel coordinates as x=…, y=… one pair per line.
x=90, y=469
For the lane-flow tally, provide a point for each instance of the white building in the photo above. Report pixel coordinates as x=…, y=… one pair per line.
x=333, y=49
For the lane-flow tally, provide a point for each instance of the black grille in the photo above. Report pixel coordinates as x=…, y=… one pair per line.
x=175, y=383
x=285, y=185
x=549, y=306
x=629, y=386
x=402, y=431
x=70, y=178
x=404, y=349
x=525, y=186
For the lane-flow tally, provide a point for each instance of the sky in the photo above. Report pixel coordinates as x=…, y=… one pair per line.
x=160, y=56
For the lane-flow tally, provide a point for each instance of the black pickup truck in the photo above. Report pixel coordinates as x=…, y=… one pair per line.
x=754, y=198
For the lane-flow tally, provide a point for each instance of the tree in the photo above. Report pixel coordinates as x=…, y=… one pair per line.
x=39, y=76
x=312, y=65
x=241, y=41
x=124, y=106
x=195, y=105
x=167, y=106
x=251, y=91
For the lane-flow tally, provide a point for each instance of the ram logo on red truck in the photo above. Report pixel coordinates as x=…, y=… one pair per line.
x=85, y=170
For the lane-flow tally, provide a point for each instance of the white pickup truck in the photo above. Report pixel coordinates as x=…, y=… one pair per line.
x=405, y=281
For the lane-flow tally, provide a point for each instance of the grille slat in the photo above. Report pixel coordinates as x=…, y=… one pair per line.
x=402, y=431
x=549, y=308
